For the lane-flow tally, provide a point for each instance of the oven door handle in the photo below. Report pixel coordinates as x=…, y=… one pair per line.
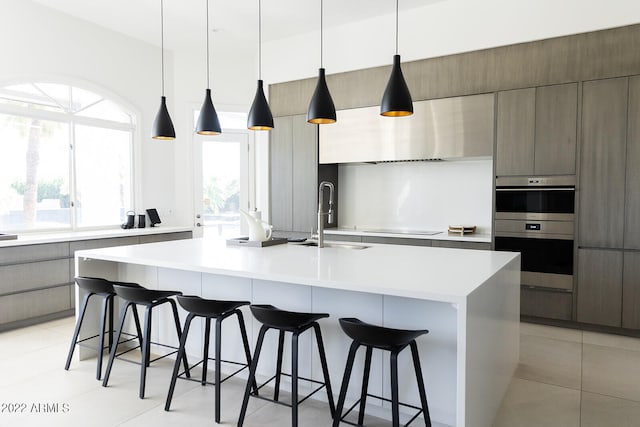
x=535, y=189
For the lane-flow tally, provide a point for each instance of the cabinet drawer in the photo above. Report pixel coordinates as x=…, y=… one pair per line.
x=42, y=274
x=33, y=304
x=102, y=243
x=396, y=241
x=485, y=246
x=151, y=238
x=29, y=253
x=547, y=304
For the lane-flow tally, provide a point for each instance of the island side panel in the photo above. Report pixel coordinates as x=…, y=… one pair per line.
x=438, y=352
x=492, y=336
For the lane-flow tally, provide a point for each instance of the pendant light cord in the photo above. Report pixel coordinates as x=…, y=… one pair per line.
x=208, y=72
x=162, y=42
x=321, y=38
x=397, y=26
x=259, y=39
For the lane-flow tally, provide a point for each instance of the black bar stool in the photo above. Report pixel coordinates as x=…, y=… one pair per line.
x=104, y=289
x=210, y=309
x=296, y=323
x=133, y=294
x=394, y=341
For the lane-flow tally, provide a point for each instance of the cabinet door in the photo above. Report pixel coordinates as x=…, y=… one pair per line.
x=515, y=132
x=631, y=291
x=632, y=200
x=602, y=166
x=281, y=173
x=305, y=174
x=555, y=129
x=600, y=286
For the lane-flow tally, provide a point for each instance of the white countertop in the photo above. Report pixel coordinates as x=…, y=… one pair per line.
x=439, y=274
x=441, y=235
x=68, y=236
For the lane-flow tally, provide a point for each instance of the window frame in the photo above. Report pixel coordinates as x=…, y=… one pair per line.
x=72, y=119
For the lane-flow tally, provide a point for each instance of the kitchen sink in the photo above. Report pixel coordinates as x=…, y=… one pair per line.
x=335, y=245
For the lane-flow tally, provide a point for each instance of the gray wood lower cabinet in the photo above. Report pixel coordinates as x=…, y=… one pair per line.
x=600, y=286
x=545, y=303
x=36, y=281
x=631, y=290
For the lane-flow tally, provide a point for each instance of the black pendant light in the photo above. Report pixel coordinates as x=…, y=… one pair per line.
x=260, y=117
x=162, y=125
x=208, y=123
x=396, y=101
x=321, y=109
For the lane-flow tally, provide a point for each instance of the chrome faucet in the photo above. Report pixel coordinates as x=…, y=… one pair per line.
x=321, y=214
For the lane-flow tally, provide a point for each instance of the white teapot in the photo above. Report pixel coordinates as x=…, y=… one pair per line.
x=259, y=231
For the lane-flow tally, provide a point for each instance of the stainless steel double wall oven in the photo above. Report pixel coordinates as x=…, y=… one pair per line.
x=535, y=216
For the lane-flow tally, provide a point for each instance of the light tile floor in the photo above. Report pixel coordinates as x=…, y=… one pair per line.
x=565, y=378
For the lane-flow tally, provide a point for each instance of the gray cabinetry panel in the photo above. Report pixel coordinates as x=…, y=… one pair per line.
x=515, y=132
x=602, y=166
x=555, y=129
x=632, y=200
x=461, y=245
x=34, y=275
x=102, y=243
x=29, y=253
x=396, y=241
x=631, y=291
x=343, y=238
x=600, y=286
x=547, y=304
x=164, y=237
x=281, y=173
x=305, y=174
x=34, y=304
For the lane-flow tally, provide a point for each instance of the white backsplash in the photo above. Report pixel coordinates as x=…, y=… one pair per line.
x=416, y=195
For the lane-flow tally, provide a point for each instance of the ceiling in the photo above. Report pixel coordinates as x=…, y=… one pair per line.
x=234, y=22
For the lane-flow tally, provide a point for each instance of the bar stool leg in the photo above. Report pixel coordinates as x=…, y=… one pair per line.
x=276, y=392
x=76, y=331
x=110, y=299
x=294, y=379
x=421, y=390
x=146, y=350
x=114, y=348
x=245, y=343
x=365, y=385
x=345, y=383
x=176, y=366
x=136, y=320
x=252, y=374
x=176, y=319
x=218, y=351
x=395, y=407
x=103, y=321
x=205, y=355
x=325, y=369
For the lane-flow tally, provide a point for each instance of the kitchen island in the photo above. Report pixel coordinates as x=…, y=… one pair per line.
x=468, y=299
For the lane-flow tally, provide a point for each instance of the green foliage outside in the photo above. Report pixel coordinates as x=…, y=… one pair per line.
x=220, y=197
x=46, y=190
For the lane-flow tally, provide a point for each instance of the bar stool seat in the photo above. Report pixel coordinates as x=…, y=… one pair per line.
x=133, y=294
x=296, y=323
x=388, y=339
x=210, y=309
x=102, y=288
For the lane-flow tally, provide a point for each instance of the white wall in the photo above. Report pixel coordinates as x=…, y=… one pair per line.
x=39, y=43
x=416, y=195
x=442, y=28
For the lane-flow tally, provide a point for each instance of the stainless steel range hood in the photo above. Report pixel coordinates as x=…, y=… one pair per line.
x=448, y=128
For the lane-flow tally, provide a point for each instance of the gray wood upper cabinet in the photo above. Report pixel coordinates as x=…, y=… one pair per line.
x=293, y=174
x=305, y=174
x=631, y=290
x=515, y=132
x=632, y=200
x=536, y=132
x=600, y=286
x=281, y=171
x=602, y=165
x=555, y=130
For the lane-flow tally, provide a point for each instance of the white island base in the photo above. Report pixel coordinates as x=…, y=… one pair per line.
x=469, y=301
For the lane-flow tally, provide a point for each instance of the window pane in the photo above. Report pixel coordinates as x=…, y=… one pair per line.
x=228, y=120
x=106, y=110
x=34, y=183
x=28, y=96
x=221, y=187
x=103, y=175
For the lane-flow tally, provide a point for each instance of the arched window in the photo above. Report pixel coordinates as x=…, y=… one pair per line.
x=66, y=156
